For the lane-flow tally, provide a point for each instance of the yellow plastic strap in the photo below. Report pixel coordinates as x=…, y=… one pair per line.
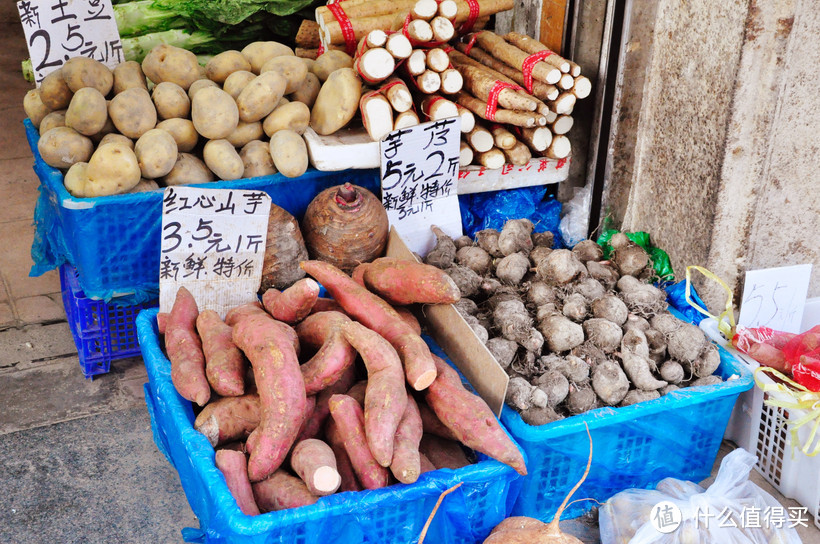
x=726, y=320
x=802, y=399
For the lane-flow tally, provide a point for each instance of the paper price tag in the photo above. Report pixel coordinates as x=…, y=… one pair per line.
x=213, y=243
x=419, y=171
x=57, y=30
x=775, y=297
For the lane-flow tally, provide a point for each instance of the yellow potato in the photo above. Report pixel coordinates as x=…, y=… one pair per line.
x=76, y=179
x=329, y=62
x=223, y=160
x=292, y=68
x=52, y=120
x=257, y=160
x=108, y=128
x=200, y=84
x=183, y=133
x=144, y=186
x=54, y=91
x=309, y=90
x=171, y=101
x=87, y=112
x=132, y=112
x=169, y=63
x=156, y=153
x=224, y=64
x=237, y=81
x=79, y=72
x=245, y=132
x=260, y=96
x=258, y=53
x=34, y=107
x=337, y=101
x=187, y=170
x=289, y=153
x=308, y=63
x=63, y=146
x=112, y=169
x=128, y=75
x=114, y=138
x=293, y=116
x=214, y=113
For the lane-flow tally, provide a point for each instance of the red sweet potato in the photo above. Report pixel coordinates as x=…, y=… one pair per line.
x=224, y=363
x=432, y=424
x=406, y=464
x=308, y=428
x=185, y=350
x=234, y=467
x=269, y=346
x=335, y=353
x=235, y=314
x=349, y=419
x=314, y=462
x=162, y=321
x=376, y=314
x=321, y=412
x=358, y=392
x=326, y=305
x=294, y=303
x=228, y=419
x=385, y=397
x=426, y=464
x=443, y=453
x=343, y=464
x=400, y=281
x=358, y=274
x=281, y=491
x=470, y=419
x=409, y=318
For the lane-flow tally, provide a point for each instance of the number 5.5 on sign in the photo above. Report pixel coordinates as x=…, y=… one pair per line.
x=775, y=297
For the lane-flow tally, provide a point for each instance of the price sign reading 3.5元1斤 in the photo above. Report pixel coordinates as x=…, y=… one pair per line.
x=213, y=243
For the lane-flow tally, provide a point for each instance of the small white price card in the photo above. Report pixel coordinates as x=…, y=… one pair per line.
x=419, y=172
x=213, y=243
x=57, y=30
x=775, y=297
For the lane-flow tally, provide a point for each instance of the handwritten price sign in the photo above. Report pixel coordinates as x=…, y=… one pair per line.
x=419, y=171
x=213, y=243
x=57, y=30
x=775, y=297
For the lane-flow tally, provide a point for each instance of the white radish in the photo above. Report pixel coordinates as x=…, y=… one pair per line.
x=467, y=117
x=417, y=62
x=420, y=31
x=377, y=115
x=564, y=103
x=448, y=9
x=566, y=82
x=429, y=82
x=492, y=159
x=406, y=119
x=399, y=95
x=443, y=29
x=538, y=138
x=503, y=138
x=437, y=59
x=398, y=45
x=424, y=9
x=582, y=87
x=465, y=154
x=562, y=124
x=375, y=65
x=559, y=148
x=451, y=81
x=436, y=108
x=376, y=38
x=480, y=139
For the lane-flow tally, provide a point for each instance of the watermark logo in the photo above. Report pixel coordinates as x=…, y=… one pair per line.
x=665, y=517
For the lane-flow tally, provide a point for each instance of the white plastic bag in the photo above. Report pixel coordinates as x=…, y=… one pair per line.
x=575, y=218
x=732, y=511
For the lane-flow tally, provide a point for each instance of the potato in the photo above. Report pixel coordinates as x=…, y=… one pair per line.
x=114, y=138
x=214, y=113
x=257, y=160
x=34, y=107
x=224, y=64
x=132, y=112
x=308, y=90
x=63, y=146
x=128, y=75
x=169, y=63
x=52, y=120
x=183, y=133
x=198, y=85
x=292, y=68
x=87, y=112
x=289, y=153
x=54, y=91
x=171, y=101
x=144, y=186
x=293, y=116
x=112, y=169
x=260, y=96
x=223, y=160
x=156, y=153
x=237, y=81
x=79, y=72
x=258, y=53
x=245, y=132
x=329, y=62
x=337, y=101
x=76, y=178
x=308, y=63
x=108, y=127
x=188, y=169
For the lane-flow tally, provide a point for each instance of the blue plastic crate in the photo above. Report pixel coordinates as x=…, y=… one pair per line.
x=392, y=515
x=114, y=241
x=102, y=332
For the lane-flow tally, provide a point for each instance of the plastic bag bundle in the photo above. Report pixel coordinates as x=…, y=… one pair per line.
x=795, y=354
x=732, y=511
x=491, y=210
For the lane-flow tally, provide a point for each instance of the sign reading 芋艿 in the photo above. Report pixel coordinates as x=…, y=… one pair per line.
x=213, y=243
x=57, y=30
x=419, y=171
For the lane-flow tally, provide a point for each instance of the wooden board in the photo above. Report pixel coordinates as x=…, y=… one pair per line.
x=553, y=17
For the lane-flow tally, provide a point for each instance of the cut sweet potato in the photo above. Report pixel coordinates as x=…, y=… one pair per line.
x=314, y=462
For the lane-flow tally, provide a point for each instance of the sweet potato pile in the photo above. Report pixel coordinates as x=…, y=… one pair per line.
x=338, y=395
x=573, y=331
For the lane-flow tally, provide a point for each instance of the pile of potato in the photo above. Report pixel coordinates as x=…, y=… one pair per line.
x=170, y=121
